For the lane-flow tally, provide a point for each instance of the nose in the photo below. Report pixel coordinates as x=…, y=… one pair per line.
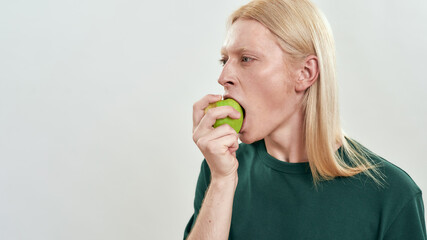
x=228, y=76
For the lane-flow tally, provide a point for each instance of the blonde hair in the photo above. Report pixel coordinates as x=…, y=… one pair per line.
x=303, y=30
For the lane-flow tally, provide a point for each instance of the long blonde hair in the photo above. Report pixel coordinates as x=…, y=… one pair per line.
x=303, y=30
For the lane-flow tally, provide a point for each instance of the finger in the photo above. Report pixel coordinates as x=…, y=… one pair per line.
x=217, y=113
x=223, y=144
x=199, y=107
x=221, y=131
x=234, y=147
x=233, y=112
x=218, y=132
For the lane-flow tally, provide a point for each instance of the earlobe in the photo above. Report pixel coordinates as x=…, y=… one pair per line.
x=301, y=82
x=308, y=74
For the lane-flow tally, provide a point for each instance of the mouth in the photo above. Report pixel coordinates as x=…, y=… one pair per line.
x=244, y=112
x=244, y=122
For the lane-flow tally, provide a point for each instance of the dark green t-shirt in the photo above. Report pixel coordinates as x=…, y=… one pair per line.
x=277, y=200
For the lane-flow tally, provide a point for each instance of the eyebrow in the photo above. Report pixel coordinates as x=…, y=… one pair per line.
x=240, y=50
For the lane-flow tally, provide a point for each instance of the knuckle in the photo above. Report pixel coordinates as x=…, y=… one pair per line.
x=214, y=110
x=223, y=129
x=200, y=142
x=195, y=106
x=211, y=113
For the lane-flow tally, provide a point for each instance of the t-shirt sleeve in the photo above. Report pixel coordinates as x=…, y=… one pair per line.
x=202, y=185
x=410, y=222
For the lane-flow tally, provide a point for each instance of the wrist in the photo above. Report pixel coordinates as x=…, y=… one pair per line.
x=224, y=181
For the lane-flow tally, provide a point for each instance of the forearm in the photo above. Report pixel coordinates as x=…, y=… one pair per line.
x=214, y=219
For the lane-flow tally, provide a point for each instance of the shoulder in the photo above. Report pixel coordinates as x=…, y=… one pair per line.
x=397, y=177
x=397, y=182
x=400, y=200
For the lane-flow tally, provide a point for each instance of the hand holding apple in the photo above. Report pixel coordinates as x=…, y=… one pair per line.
x=218, y=145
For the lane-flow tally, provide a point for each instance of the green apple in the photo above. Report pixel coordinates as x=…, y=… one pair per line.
x=236, y=124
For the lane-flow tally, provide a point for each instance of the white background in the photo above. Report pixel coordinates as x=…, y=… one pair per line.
x=96, y=102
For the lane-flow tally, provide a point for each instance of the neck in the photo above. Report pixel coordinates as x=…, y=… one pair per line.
x=287, y=142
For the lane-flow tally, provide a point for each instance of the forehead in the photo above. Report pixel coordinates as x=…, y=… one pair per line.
x=248, y=34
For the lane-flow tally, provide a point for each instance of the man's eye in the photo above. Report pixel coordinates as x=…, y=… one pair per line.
x=223, y=61
x=246, y=59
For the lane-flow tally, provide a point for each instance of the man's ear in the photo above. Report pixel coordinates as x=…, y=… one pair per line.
x=308, y=73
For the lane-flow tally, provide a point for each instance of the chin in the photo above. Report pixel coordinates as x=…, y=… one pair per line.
x=247, y=139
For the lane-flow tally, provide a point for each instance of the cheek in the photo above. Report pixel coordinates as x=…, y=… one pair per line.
x=265, y=79
x=274, y=92
x=268, y=87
